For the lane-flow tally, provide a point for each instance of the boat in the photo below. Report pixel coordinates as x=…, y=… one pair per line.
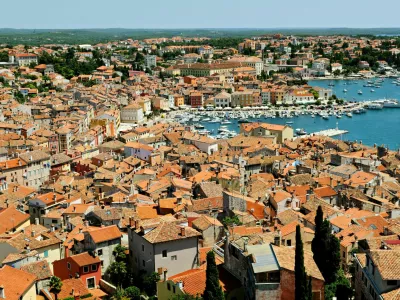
x=290, y=122
x=300, y=131
x=344, y=91
x=325, y=117
x=349, y=114
x=359, y=92
x=226, y=122
x=331, y=84
x=372, y=90
x=199, y=126
x=206, y=120
x=375, y=105
x=242, y=120
x=391, y=104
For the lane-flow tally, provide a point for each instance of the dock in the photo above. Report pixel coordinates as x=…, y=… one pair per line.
x=327, y=132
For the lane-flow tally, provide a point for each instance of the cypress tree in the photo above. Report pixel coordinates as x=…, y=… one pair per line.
x=299, y=269
x=326, y=248
x=213, y=290
x=309, y=289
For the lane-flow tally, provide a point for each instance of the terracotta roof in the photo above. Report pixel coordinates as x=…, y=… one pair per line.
x=15, y=282
x=11, y=218
x=84, y=259
x=105, y=234
x=166, y=232
x=286, y=260
x=40, y=269
x=387, y=262
x=204, y=222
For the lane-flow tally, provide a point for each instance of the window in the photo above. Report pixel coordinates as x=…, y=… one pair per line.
x=391, y=282
x=164, y=253
x=174, y=289
x=168, y=286
x=54, y=221
x=68, y=266
x=102, y=263
x=94, y=267
x=46, y=253
x=143, y=263
x=344, y=254
x=174, y=257
x=100, y=252
x=85, y=269
x=143, y=248
x=289, y=243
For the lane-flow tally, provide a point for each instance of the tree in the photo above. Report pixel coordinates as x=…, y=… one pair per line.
x=213, y=290
x=117, y=272
x=119, y=253
x=300, y=290
x=341, y=288
x=326, y=248
x=55, y=285
x=133, y=292
x=230, y=221
x=150, y=283
x=336, y=73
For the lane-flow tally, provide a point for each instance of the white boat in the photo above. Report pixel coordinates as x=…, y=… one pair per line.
x=300, y=131
x=375, y=106
x=226, y=122
x=344, y=91
x=372, y=90
x=391, y=104
x=359, y=92
x=349, y=114
x=338, y=116
x=325, y=117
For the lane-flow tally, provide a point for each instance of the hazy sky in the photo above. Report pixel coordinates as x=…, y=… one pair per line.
x=199, y=14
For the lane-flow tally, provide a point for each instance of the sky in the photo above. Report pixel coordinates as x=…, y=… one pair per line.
x=71, y=14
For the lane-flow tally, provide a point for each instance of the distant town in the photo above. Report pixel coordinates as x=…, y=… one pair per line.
x=114, y=184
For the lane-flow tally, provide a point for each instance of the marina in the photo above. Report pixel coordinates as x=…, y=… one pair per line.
x=374, y=120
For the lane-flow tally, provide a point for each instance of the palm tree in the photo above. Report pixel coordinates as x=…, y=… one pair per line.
x=55, y=285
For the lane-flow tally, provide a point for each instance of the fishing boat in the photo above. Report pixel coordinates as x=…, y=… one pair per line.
x=300, y=131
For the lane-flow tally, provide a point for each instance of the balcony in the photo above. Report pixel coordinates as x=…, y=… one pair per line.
x=267, y=286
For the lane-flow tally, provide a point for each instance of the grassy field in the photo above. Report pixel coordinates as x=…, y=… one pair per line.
x=92, y=36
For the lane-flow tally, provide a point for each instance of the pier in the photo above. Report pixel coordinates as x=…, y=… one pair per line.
x=327, y=132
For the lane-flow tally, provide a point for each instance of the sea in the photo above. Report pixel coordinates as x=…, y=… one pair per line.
x=380, y=127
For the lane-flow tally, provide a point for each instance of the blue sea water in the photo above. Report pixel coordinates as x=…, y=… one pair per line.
x=374, y=127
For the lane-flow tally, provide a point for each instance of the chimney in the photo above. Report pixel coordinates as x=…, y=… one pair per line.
x=183, y=231
x=180, y=285
x=277, y=238
x=86, y=223
x=36, y=221
x=2, y=292
x=33, y=233
x=74, y=208
x=179, y=200
x=55, y=197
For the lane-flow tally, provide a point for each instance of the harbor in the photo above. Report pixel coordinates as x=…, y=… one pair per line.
x=374, y=120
